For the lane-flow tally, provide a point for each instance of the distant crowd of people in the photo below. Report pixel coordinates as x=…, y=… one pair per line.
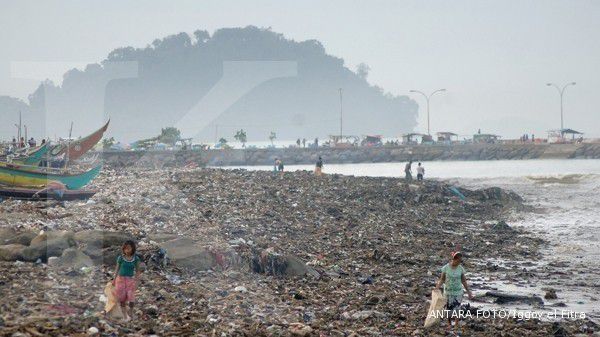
x=22, y=143
x=525, y=138
x=302, y=143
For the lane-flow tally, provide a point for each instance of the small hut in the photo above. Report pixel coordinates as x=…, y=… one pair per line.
x=412, y=138
x=446, y=137
x=561, y=136
x=372, y=141
x=486, y=138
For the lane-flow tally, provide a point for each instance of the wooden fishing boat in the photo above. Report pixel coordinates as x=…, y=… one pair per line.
x=27, y=176
x=77, y=148
x=44, y=194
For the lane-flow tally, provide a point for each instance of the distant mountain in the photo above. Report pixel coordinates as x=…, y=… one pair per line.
x=176, y=72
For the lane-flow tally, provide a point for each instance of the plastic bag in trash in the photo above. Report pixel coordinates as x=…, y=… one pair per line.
x=112, y=309
x=438, y=301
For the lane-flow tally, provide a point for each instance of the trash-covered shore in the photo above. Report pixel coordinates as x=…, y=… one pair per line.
x=254, y=253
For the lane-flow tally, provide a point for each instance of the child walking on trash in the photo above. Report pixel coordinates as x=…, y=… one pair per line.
x=453, y=278
x=127, y=273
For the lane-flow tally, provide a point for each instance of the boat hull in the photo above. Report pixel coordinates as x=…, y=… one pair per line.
x=14, y=176
x=79, y=147
x=34, y=194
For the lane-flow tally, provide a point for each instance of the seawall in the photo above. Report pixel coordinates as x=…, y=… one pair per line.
x=243, y=157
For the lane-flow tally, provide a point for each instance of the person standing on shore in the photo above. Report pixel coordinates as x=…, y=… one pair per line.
x=453, y=278
x=280, y=167
x=127, y=273
x=319, y=167
x=408, y=171
x=276, y=165
x=303, y=142
x=420, y=172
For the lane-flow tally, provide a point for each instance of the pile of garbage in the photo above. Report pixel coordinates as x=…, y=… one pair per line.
x=232, y=252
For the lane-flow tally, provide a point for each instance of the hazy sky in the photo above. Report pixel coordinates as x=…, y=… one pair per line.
x=493, y=57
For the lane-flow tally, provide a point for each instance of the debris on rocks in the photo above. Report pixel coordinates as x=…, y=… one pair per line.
x=232, y=252
x=550, y=294
x=503, y=298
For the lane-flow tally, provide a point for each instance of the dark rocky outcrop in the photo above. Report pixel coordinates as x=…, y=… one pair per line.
x=46, y=248
x=11, y=252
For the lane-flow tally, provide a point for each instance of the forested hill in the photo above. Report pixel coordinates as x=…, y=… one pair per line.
x=174, y=73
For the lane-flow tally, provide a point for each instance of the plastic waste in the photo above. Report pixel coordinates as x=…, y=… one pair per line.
x=438, y=301
x=112, y=309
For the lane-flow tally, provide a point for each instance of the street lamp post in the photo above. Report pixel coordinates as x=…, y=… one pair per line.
x=561, y=92
x=341, y=116
x=427, y=98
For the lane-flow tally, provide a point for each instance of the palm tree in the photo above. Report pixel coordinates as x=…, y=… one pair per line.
x=241, y=137
x=272, y=137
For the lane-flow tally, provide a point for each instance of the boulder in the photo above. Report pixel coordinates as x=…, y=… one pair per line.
x=296, y=267
x=44, y=249
x=23, y=238
x=11, y=252
x=102, y=239
x=6, y=234
x=188, y=255
x=106, y=256
x=503, y=298
x=502, y=226
x=74, y=258
x=52, y=235
x=550, y=294
x=272, y=263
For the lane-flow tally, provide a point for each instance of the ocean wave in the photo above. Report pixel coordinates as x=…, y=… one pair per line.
x=564, y=179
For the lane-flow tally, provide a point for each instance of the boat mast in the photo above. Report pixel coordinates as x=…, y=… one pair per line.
x=69, y=144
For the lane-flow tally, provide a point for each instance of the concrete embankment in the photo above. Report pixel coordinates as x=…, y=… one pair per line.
x=249, y=157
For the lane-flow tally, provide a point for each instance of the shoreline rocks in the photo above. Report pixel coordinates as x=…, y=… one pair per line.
x=253, y=156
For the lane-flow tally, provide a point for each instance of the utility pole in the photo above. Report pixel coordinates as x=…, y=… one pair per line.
x=341, y=116
x=19, y=139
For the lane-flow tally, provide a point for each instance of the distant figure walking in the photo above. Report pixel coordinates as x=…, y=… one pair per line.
x=280, y=167
x=303, y=142
x=276, y=165
x=408, y=171
x=298, y=142
x=316, y=142
x=420, y=172
x=319, y=167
